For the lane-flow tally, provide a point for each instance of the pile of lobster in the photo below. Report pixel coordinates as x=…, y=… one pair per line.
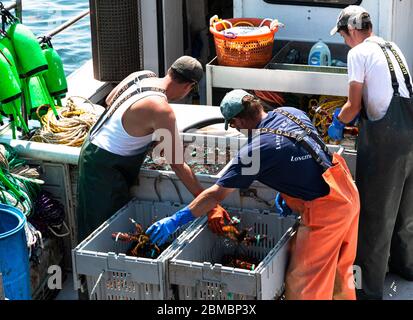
x=232, y=233
x=141, y=245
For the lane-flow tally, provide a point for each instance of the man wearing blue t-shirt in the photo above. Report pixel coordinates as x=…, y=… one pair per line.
x=295, y=161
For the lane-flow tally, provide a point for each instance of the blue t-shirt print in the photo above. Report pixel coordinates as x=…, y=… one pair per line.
x=284, y=164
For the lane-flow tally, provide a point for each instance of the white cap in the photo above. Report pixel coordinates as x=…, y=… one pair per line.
x=352, y=17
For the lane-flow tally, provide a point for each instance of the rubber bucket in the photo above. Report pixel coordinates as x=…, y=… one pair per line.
x=14, y=255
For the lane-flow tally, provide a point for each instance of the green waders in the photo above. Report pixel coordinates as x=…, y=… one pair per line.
x=103, y=187
x=385, y=182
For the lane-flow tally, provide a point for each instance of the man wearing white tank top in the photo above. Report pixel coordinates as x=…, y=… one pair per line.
x=381, y=91
x=113, y=153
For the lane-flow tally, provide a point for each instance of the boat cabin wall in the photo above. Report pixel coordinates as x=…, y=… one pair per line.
x=172, y=28
x=314, y=21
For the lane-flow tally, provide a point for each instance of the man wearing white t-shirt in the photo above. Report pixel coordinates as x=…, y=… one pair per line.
x=380, y=90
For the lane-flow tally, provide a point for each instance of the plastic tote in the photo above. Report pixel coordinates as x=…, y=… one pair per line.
x=14, y=255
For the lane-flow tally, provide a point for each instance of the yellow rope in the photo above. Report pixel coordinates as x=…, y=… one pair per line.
x=71, y=129
x=322, y=110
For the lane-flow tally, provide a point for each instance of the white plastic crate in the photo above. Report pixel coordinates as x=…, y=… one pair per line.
x=110, y=273
x=196, y=271
x=157, y=185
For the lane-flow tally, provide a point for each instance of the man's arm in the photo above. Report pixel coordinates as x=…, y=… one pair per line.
x=208, y=199
x=166, y=124
x=161, y=230
x=354, y=103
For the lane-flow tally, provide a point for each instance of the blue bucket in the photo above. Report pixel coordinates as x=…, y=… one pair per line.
x=14, y=255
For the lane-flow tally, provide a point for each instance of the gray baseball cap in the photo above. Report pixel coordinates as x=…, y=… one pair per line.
x=231, y=105
x=352, y=16
x=189, y=68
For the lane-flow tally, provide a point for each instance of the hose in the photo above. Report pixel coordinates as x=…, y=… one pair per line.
x=20, y=184
x=70, y=129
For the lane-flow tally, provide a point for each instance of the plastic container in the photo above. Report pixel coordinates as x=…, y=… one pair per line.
x=197, y=271
x=113, y=275
x=14, y=255
x=320, y=55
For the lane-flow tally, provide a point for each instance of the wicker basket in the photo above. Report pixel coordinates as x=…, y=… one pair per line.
x=243, y=50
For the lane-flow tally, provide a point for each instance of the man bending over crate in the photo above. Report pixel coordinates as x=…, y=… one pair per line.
x=111, y=156
x=294, y=160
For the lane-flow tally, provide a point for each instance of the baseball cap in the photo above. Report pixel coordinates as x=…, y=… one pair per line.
x=189, y=68
x=353, y=16
x=232, y=105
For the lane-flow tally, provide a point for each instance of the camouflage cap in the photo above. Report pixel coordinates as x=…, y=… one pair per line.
x=353, y=16
x=189, y=68
x=232, y=105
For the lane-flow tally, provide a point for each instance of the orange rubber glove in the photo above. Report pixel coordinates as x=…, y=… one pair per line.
x=216, y=219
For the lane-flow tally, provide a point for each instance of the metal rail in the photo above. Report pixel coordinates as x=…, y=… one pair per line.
x=11, y=6
x=68, y=23
x=17, y=6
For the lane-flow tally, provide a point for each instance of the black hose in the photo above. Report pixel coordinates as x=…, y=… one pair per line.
x=203, y=123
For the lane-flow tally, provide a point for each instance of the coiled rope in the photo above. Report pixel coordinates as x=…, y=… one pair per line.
x=322, y=110
x=70, y=129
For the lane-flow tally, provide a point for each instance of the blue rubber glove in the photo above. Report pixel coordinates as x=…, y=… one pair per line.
x=160, y=231
x=336, y=130
x=281, y=205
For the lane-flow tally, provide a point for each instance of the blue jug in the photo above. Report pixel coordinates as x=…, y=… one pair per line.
x=320, y=55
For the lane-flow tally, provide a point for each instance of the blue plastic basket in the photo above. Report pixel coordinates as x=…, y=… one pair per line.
x=14, y=256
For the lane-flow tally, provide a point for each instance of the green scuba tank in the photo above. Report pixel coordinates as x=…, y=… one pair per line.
x=28, y=51
x=9, y=86
x=54, y=77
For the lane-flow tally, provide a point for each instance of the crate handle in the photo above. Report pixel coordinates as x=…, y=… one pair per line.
x=61, y=235
x=204, y=283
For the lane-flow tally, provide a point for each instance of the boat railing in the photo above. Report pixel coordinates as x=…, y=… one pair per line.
x=17, y=6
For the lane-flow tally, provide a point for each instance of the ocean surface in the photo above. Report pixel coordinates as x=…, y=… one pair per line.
x=74, y=43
